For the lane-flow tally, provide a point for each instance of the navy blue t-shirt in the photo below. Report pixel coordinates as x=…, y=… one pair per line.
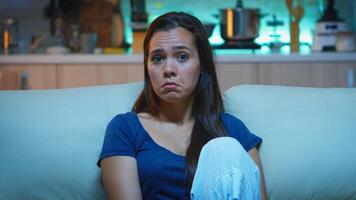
x=161, y=172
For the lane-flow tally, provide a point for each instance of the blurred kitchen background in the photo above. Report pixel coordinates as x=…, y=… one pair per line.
x=95, y=26
x=48, y=44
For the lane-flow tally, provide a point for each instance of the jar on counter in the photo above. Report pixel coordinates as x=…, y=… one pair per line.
x=346, y=41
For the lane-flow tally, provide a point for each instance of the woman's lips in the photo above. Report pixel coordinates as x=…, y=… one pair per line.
x=169, y=85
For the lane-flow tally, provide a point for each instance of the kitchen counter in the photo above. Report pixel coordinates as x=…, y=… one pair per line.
x=138, y=58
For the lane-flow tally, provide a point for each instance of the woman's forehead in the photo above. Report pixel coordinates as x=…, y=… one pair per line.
x=172, y=39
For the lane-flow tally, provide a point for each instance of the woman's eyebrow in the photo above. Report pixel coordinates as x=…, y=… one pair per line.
x=181, y=47
x=158, y=50
x=178, y=47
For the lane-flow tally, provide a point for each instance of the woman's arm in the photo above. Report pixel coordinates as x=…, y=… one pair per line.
x=120, y=178
x=254, y=155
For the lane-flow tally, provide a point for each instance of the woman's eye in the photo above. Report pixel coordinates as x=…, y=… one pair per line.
x=156, y=58
x=182, y=57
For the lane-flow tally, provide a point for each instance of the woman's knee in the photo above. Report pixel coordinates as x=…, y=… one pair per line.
x=222, y=145
x=226, y=151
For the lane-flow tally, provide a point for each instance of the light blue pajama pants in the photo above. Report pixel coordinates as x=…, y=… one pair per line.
x=225, y=171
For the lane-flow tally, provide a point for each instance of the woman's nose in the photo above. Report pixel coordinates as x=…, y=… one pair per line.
x=169, y=69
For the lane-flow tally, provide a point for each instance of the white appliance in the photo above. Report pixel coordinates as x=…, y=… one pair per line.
x=327, y=29
x=325, y=37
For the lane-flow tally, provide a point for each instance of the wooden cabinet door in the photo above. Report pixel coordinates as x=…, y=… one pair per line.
x=38, y=76
x=231, y=74
x=311, y=74
x=79, y=75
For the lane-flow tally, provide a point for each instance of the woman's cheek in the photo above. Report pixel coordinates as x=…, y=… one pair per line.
x=153, y=77
x=154, y=80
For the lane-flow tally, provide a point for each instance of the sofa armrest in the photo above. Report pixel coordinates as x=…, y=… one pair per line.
x=50, y=140
x=308, y=149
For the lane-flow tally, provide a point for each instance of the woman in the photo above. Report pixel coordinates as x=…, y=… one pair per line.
x=156, y=151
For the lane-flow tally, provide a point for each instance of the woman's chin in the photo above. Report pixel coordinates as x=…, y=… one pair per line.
x=172, y=97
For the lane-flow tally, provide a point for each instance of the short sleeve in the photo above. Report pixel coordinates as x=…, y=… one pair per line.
x=238, y=130
x=119, y=139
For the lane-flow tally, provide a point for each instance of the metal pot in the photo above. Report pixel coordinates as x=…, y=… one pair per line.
x=239, y=23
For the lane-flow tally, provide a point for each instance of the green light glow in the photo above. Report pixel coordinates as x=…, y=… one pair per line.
x=265, y=37
x=306, y=37
x=215, y=38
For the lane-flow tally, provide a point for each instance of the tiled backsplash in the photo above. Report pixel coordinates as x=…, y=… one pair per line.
x=32, y=21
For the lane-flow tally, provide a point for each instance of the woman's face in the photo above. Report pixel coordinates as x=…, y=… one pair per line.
x=173, y=65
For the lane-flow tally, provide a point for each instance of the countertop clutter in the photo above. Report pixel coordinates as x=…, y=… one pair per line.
x=117, y=26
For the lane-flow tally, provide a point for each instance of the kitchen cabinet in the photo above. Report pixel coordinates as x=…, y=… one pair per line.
x=308, y=70
x=65, y=71
x=230, y=74
x=319, y=74
x=74, y=75
x=304, y=74
x=39, y=76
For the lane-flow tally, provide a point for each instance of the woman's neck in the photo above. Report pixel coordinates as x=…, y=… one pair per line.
x=176, y=112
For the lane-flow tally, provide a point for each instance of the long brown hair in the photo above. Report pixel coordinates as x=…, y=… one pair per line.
x=207, y=105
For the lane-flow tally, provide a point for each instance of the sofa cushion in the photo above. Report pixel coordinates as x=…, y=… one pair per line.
x=308, y=149
x=50, y=140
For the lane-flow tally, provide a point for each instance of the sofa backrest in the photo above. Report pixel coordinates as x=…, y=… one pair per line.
x=50, y=139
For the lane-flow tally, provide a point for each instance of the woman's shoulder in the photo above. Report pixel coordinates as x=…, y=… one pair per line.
x=232, y=123
x=126, y=115
x=236, y=128
x=128, y=118
x=228, y=118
